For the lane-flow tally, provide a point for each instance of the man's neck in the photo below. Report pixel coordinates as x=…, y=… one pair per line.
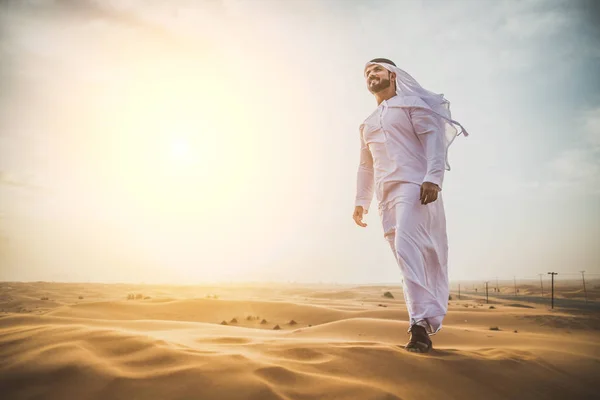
x=385, y=95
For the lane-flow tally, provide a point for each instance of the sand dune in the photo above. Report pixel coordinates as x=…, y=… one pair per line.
x=172, y=346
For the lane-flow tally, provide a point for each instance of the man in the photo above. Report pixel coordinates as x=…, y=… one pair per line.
x=403, y=156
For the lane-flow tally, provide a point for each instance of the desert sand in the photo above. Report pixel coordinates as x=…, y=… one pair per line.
x=89, y=341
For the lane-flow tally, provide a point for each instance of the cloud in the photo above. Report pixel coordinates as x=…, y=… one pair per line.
x=537, y=23
x=576, y=165
x=9, y=179
x=18, y=180
x=579, y=166
x=591, y=126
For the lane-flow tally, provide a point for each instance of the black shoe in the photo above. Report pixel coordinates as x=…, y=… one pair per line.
x=419, y=340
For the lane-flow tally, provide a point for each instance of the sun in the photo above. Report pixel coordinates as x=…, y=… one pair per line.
x=181, y=151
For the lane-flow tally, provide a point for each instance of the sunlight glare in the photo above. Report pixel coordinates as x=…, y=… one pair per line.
x=181, y=151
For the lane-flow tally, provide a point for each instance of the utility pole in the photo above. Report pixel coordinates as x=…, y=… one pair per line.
x=486, y=293
x=541, y=284
x=515, y=278
x=497, y=288
x=459, y=291
x=552, y=273
x=583, y=279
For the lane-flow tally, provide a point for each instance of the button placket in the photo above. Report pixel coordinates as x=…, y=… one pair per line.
x=381, y=115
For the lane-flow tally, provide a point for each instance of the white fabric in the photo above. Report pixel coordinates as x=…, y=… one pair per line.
x=416, y=234
x=408, y=88
x=404, y=143
x=398, y=144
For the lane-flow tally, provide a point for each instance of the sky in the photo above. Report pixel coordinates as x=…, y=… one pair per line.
x=210, y=141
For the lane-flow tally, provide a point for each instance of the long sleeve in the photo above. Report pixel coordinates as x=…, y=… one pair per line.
x=365, y=180
x=429, y=131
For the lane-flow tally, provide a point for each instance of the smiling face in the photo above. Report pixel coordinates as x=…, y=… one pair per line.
x=378, y=78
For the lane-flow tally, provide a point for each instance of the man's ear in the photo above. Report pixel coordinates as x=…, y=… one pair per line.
x=392, y=76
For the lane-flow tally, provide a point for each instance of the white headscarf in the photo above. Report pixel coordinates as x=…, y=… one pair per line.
x=407, y=88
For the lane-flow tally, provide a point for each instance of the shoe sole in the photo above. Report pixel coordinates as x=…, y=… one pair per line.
x=417, y=347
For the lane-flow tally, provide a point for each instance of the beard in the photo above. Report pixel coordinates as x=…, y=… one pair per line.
x=379, y=85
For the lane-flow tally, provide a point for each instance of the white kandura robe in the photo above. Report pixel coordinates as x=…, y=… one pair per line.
x=401, y=147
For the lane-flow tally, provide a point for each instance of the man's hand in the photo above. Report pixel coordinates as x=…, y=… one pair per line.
x=358, y=215
x=429, y=192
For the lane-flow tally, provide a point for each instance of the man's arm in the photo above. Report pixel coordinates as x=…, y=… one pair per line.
x=429, y=130
x=364, y=181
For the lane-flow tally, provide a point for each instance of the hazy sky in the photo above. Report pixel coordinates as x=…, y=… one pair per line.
x=189, y=141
